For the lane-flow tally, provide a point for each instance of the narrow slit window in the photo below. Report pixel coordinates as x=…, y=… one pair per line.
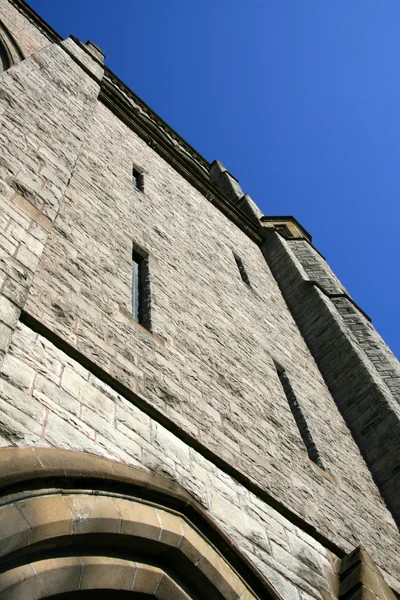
x=137, y=180
x=140, y=287
x=299, y=418
x=242, y=270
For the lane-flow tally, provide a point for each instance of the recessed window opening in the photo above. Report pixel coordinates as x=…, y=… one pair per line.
x=299, y=418
x=137, y=180
x=140, y=286
x=10, y=52
x=242, y=270
x=5, y=61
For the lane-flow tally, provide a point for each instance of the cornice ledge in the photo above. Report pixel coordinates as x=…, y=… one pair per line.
x=344, y=295
x=307, y=235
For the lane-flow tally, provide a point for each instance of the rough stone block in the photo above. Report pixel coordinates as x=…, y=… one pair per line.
x=93, y=514
x=139, y=519
x=57, y=576
x=18, y=583
x=9, y=312
x=14, y=530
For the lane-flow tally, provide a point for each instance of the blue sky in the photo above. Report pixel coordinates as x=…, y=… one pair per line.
x=298, y=98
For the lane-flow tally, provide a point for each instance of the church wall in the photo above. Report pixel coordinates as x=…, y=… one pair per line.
x=360, y=328
x=351, y=356
x=45, y=104
x=48, y=399
x=27, y=35
x=206, y=370
x=208, y=363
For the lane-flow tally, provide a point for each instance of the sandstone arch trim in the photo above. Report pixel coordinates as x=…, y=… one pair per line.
x=53, y=517
x=49, y=495
x=43, y=578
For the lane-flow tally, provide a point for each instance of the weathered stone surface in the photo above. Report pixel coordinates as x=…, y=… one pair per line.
x=45, y=103
x=69, y=216
x=251, y=523
x=29, y=38
x=219, y=335
x=362, y=374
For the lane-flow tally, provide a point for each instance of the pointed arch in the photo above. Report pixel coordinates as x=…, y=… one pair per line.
x=73, y=522
x=10, y=52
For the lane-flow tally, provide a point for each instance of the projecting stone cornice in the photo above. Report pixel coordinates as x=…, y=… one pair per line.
x=139, y=117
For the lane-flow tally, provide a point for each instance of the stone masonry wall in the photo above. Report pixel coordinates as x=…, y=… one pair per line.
x=45, y=104
x=69, y=217
x=361, y=395
x=59, y=403
x=27, y=35
x=369, y=340
x=316, y=267
x=208, y=364
x=361, y=330
x=360, y=370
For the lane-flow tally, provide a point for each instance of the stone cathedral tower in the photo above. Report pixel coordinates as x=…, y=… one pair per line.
x=191, y=404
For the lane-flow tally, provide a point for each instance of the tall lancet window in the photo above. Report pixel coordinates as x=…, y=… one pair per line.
x=135, y=288
x=242, y=270
x=10, y=52
x=137, y=180
x=5, y=62
x=140, y=286
x=299, y=417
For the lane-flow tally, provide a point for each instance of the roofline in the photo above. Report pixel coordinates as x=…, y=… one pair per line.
x=54, y=36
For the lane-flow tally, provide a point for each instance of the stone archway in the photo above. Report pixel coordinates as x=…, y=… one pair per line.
x=72, y=522
x=54, y=577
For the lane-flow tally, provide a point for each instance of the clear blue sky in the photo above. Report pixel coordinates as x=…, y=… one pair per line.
x=300, y=99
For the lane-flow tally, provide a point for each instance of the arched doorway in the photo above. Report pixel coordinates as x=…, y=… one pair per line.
x=74, y=525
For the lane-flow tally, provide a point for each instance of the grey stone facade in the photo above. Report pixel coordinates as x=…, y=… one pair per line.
x=196, y=396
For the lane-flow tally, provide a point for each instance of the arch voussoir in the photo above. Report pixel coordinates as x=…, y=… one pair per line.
x=43, y=578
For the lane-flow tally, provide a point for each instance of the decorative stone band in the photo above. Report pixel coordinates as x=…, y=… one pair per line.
x=72, y=521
